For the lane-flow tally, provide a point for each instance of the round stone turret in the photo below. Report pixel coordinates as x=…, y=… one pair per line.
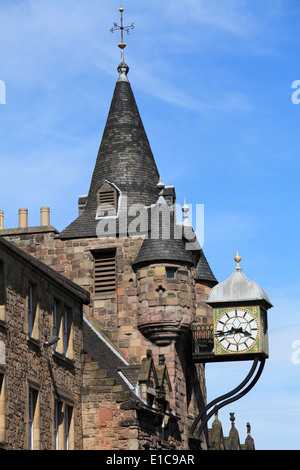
x=164, y=279
x=165, y=294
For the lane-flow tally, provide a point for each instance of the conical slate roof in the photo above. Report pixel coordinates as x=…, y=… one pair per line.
x=170, y=241
x=203, y=270
x=124, y=159
x=165, y=241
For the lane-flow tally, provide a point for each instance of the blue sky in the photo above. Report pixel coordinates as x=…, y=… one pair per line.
x=213, y=82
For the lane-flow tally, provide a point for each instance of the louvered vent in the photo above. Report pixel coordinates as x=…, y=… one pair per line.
x=107, y=200
x=105, y=272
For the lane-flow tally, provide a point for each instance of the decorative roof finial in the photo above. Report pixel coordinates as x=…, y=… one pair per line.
x=116, y=27
x=185, y=209
x=237, y=259
x=248, y=428
x=232, y=419
x=160, y=185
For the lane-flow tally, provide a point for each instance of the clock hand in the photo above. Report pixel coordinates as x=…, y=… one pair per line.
x=229, y=332
x=246, y=333
x=233, y=331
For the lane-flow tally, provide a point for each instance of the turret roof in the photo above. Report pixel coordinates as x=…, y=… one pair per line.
x=238, y=288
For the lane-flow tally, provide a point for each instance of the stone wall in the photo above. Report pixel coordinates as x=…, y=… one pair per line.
x=148, y=310
x=113, y=314
x=31, y=365
x=109, y=411
x=119, y=420
x=203, y=312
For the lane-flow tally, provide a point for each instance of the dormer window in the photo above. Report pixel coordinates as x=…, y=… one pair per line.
x=107, y=200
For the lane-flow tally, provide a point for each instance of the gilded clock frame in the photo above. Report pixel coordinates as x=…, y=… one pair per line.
x=255, y=348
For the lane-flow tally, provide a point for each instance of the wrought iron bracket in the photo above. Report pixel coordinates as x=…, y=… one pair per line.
x=229, y=397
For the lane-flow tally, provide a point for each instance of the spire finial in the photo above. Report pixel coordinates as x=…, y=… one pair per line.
x=116, y=27
x=185, y=209
x=160, y=185
x=237, y=259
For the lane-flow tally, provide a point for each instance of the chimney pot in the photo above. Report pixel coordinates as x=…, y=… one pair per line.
x=23, y=218
x=45, y=216
x=1, y=219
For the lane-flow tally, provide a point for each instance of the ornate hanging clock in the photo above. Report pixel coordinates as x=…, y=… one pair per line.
x=240, y=316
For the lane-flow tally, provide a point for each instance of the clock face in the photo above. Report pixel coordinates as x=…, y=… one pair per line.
x=236, y=330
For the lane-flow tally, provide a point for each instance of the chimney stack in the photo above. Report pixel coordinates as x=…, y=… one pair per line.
x=45, y=216
x=1, y=219
x=23, y=218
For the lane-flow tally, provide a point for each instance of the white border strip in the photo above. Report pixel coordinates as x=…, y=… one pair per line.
x=106, y=342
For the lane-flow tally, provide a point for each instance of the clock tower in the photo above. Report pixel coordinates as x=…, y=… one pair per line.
x=240, y=317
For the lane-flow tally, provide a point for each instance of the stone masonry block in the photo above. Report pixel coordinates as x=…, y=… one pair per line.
x=98, y=374
x=160, y=271
x=106, y=414
x=122, y=396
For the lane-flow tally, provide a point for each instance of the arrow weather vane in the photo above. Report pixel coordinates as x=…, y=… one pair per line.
x=116, y=27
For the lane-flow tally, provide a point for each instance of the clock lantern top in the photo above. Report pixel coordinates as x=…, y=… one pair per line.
x=238, y=290
x=239, y=317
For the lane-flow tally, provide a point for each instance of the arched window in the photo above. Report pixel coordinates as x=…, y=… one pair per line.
x=107, y=200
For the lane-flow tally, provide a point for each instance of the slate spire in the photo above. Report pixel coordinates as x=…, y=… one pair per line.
x=124, y=159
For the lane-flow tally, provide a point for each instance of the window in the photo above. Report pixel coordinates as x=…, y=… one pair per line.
x=31, y=417
x=63, y=426
x=2, y=292
x=68, y=428
x=33, y=420
x=170, y=272
x=105, y=272
x=56, y=424
x=67, y=335
x=55, y=330
x=32, y=311
x=63, y=328
x=65, y=332
x=2, y=409
x=107, y=200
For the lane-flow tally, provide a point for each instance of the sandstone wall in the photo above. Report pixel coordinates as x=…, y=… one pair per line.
x=29, y=364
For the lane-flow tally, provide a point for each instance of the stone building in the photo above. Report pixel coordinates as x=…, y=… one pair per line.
x=147, y=279
x=40, y=383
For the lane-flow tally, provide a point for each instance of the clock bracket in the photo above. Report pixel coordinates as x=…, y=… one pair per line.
x=238, y=392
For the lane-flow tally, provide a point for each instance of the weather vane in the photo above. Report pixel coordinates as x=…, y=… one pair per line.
x=122, y=28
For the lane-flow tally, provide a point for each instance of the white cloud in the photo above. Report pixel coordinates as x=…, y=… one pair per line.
x=246, y=19
x=54, y=41
x=40, y=36
x=229, y=15
x=201, y=100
